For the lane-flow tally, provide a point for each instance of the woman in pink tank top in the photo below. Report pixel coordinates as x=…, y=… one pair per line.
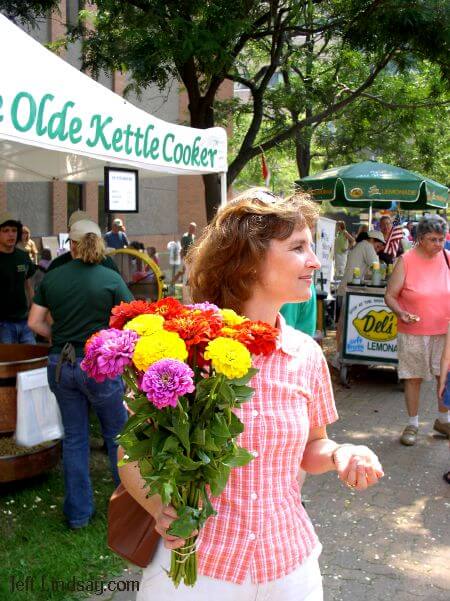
x=419, y=294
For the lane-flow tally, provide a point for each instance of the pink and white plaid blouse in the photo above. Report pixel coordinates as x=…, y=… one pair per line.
x=261, y=524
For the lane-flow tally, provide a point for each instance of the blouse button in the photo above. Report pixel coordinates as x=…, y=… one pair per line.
x=255, y=413
x=255, y=453
x=254, y=496
x=252, y=536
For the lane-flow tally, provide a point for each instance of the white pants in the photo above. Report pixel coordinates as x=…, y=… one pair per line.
x=304, y=584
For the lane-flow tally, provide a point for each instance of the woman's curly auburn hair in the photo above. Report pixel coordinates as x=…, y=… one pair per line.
x=225, y=261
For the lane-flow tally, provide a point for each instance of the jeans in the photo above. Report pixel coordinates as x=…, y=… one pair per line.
x=446, y=398
x=74, y=392
x=12, y=332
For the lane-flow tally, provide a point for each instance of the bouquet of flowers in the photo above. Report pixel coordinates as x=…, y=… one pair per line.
x=187, y=368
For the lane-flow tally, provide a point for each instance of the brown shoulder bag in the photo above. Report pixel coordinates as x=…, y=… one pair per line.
x=131, y=529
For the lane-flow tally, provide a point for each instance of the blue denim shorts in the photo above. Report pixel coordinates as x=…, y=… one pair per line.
x=446, y=397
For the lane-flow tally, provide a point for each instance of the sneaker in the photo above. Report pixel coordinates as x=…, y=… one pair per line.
x=409, y=436
x=442, y=428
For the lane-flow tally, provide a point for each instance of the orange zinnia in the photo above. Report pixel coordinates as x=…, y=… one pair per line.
x=126, y=311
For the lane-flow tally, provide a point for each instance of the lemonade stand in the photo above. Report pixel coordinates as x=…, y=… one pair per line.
x=369, y=329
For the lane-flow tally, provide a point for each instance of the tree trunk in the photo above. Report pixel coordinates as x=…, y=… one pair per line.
x=303, y=154
x=211, y=182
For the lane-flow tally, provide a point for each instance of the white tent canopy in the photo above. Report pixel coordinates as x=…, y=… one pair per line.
x=58, y=124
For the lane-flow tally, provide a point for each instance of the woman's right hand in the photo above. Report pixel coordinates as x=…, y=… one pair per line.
x=164, y=517
x=408, y=317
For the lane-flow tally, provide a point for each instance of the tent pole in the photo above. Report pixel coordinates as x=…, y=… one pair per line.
x=370, y=216
x=223, y=188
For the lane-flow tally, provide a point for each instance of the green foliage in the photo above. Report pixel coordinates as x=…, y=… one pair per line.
x=28, y=11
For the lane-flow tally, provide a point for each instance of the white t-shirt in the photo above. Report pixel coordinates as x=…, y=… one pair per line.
x=174, y=248
x=362, y=256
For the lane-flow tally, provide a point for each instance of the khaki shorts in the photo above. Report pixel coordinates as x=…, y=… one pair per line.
x=419, y=356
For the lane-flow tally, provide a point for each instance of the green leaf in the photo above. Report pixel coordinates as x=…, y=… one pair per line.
x=171, y=444
x=138, y=403
x=180, y=427
x=187, y=522
x=186, y=463
x=138, y=450
x=239, y=458
x=236, y=427
x=208, y=510
x=198, y=437
x=219, y=480
x=243, y=392
x=166, y=493
x=210, y=443
x=245, y=379
x=219, y=428
x=226, y=394
x=135, y=421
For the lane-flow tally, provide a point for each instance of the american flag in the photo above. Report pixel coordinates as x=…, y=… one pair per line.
x=393, y=240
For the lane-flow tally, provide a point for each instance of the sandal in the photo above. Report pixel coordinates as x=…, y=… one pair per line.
x=447, y=477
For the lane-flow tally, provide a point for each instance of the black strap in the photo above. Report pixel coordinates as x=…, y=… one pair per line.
x=446, y=258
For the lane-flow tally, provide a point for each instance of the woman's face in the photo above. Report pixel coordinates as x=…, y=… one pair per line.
x=285, y=274
x=432, y=243
x=25, y=235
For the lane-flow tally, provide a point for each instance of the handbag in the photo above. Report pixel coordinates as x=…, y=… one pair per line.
x=131, y=529
x=38, y=414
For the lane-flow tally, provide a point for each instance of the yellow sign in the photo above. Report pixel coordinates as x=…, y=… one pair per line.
x=356, y=192
x=377, y=325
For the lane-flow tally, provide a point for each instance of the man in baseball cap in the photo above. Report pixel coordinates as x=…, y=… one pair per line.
x=116, y=237
x=16, y=269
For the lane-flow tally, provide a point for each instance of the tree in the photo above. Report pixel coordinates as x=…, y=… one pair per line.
x=203, y=43
x=27, y=11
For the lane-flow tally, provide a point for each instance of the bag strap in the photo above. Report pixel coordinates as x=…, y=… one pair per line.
x=446, y=258
x=67, y=355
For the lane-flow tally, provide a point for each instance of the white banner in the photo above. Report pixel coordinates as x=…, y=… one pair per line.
x=325, y=233
x=46, y=102
x=370, y=329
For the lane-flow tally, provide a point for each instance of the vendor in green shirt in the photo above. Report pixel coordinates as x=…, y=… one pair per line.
x=79, y=297
x=16, y=269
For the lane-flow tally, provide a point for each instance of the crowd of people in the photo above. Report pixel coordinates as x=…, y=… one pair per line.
x=257, y=258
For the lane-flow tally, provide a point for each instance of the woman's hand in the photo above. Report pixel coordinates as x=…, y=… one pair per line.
x=408, y=317
x=357, y=466
x=442, y=383
x=164, y=517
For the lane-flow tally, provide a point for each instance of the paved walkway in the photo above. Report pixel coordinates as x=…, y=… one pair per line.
x=393, y=541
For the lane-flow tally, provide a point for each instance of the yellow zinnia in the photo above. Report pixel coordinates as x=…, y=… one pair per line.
x=228, y=357
x=145, y=324
x=231, y=318
x=161, y=345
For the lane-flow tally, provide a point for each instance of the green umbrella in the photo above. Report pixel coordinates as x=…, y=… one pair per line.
x=373, y=184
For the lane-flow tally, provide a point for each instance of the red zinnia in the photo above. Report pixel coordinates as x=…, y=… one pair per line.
x=195, y=327
x=259, y=337
x=126, y=311
x=168, y=307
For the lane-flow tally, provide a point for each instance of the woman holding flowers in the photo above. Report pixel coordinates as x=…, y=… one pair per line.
x=255, y=256
x=79, y=297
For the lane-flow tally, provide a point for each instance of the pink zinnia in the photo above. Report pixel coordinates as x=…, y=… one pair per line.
x=166, y=380
x=108, y=353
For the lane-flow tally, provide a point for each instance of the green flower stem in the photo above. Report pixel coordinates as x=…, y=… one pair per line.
x=186, y=570
x=211, y=397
